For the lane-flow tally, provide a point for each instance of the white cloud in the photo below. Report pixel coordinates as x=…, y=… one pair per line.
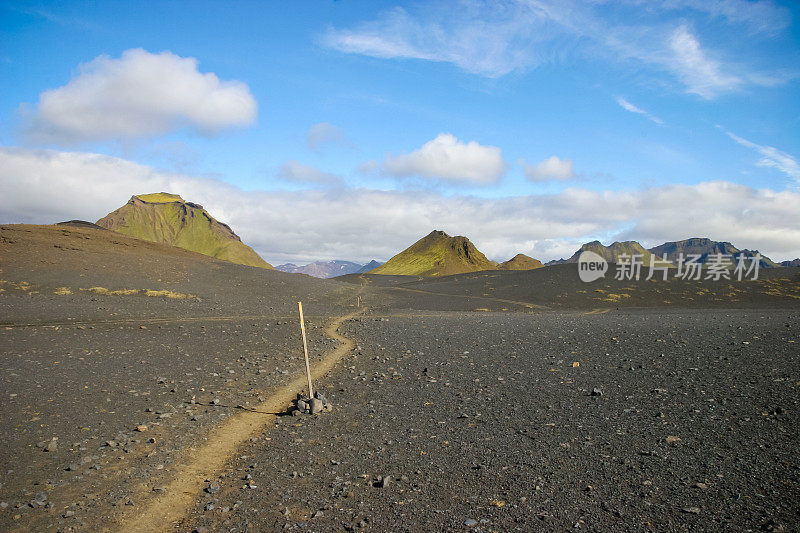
x=701, y=74
x=626, y=105
x=447, y=158
x=139, y=95
x=325, y=133
x=309, y=225
x=299, y=173
x=551, y=169
x=771, y=157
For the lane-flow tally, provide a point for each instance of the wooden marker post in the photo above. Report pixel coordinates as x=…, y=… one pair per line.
x=305, y=350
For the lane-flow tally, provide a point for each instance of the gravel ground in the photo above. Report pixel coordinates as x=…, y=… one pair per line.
x=638, y=420
x=470, y=408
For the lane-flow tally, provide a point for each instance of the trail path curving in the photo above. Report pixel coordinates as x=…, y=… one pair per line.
x=164, y=511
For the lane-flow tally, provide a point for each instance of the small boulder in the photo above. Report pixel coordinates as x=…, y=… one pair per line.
x=316, y=405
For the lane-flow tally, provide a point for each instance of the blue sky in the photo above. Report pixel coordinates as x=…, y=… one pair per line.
x=530, y=126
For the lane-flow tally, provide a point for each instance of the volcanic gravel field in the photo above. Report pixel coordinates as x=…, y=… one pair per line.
x=628, y=421
x=479, y=407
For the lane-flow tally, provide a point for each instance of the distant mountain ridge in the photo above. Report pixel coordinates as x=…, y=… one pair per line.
x=701, y=246
x=369, y=266
x=705, y=247
x=328, y=269
x=168, y=218
x=437, y=254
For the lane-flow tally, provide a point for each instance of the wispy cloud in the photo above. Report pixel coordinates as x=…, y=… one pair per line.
x=300, y=173
x=701, y=74
x=770, y=156
x=760, y=16
x=326, y=134
x=494, y=39
x=626, y=105
x=491, y=40
x=551, y=169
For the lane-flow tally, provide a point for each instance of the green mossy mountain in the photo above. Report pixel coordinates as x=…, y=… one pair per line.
x=437, y=254
x=520, y=262
x=167, y=218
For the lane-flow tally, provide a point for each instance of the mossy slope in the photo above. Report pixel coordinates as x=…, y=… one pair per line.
x=520, y=262
x=167, y=218
x=437, y=254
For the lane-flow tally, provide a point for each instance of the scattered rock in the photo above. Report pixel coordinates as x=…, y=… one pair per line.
x=470, y=522
x=316, y=405
x=597, y=391
x=691, y=510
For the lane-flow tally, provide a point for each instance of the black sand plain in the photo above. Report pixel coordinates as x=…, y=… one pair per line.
x=496, y=401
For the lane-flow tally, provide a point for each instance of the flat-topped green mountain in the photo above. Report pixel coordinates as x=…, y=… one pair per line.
x=437, y=254
x=167, y=218
x=520, y=262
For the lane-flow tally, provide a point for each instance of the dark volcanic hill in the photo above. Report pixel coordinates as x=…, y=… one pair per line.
x=167, y=218
x=520, y=262
x=704, y=247
x=791, y=263
x=437, y=254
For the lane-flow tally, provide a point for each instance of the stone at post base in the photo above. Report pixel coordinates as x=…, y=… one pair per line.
x=316, y=405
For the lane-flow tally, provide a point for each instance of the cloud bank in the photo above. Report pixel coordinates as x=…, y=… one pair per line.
x=138, y=95
x=42, y=186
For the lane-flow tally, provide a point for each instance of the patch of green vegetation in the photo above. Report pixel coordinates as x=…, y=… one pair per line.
x=159, y=198
x=130, y=292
